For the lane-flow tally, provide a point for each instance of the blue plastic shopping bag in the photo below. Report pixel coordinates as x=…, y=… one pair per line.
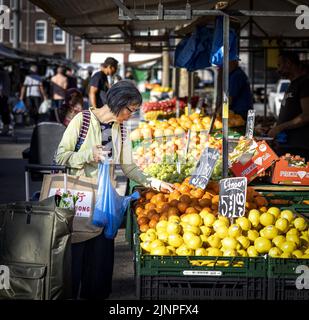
x=19, y=107
x=110, y=206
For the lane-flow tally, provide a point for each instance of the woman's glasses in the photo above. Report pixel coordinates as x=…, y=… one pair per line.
x=132, y=111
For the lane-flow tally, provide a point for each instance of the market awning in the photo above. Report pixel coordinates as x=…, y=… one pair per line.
x=9, y=54
x=96, y=19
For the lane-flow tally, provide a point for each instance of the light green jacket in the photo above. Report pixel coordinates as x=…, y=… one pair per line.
x=82, y=162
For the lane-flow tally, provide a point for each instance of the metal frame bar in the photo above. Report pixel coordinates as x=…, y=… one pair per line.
x=182, y=14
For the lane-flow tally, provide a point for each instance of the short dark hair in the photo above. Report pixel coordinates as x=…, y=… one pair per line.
x=122, y=95
x=110, y=61
x=72, y=97
x=291, y=56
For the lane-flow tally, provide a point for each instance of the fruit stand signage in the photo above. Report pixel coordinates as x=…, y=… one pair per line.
x=232, y=198
x=204, y=168
x=250, y=124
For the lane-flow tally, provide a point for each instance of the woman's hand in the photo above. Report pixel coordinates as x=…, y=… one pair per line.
x=166, y=187
x=274, y=131
x=98, y=153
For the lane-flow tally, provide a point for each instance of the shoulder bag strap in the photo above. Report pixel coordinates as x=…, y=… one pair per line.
x=84, y=129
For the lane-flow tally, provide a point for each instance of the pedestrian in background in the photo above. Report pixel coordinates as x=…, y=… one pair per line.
x=33, y=89
x=99, y=82
x=72, y=80
x=59, y=84
x=5, y=85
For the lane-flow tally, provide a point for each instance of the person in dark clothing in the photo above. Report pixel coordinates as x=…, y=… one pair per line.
x=293, y=121
x=5, y=85
x=99, y=82
x=240, y=94
x=72, y=80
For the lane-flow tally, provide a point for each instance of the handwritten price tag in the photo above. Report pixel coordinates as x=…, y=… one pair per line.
x=232, y=197
x=204, y=168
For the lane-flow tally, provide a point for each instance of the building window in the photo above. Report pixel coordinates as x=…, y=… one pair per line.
x=12, y=31
x=41, y=31
x=59, y=37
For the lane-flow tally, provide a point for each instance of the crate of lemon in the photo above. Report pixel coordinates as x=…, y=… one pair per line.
x=181, y=235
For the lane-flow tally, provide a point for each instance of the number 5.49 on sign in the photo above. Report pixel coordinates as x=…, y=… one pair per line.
x=232, y=199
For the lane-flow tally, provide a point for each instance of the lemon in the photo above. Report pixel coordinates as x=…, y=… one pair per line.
x=174, y=219
x=187, y=236
x=156, y=243
x=206, y=230
x=150, y=236
x=173, y=227
x=288, y=246
x=254, y=217
x=305, y=256
x=163, y=236
x=222, y=232
x=184, y=251
x=146, y=246
x=307, y=251
x=209, y=220
x=267, y=219
x=150, y=231
x=270, y=232
x=300, y=224
x=294, y=238
x=161, y=225
x=143, y=236
x=286, y=255
x=252, y=251
x=195, y=219
x=230, y=253
x=297, y=254
x=194, y=242
x=172, y=250
x=189, y=228
x=244, y=223
x=218, y=224
x=262, y=245
x=278, y=241
x=244, y=241
x=282, y=225
x=175, y=240
x=204, y=238
x=201, y=252
x=229, y=243
x=274, y=252
x=235, y=231
x=159, y=251
x=225, y=220
x=287, y=214
x=293, y=231
x=252, y=235
x=274, y=211
x=214, y=252
x=214, y=241
x=242, y=253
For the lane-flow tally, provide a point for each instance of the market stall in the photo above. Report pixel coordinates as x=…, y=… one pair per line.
x=231, y=229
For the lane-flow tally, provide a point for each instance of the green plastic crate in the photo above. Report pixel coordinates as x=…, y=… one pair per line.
x=149, y=265
x=282, y=279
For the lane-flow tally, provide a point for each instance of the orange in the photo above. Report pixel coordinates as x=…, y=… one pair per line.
x=182, y=207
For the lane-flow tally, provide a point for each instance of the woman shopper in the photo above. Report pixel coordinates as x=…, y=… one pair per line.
x=73, y=104
x=92, y=260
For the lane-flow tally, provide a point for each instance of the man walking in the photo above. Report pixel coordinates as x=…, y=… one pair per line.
x=99, y=82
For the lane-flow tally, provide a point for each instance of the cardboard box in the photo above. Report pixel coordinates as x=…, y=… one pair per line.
x=284, y=173
x=250, y=165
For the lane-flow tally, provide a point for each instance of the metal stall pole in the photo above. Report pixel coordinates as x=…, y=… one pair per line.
x=265, y=83
x=176, y=89
x=16, y=24
x=225, y=97
x=189, y=92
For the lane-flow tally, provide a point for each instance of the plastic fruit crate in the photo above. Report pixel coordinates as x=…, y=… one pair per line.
x=200, y=288
x=282, y=279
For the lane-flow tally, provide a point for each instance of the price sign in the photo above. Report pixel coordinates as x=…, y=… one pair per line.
x=250, y=124
x=232, y=197
x=204, y=168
